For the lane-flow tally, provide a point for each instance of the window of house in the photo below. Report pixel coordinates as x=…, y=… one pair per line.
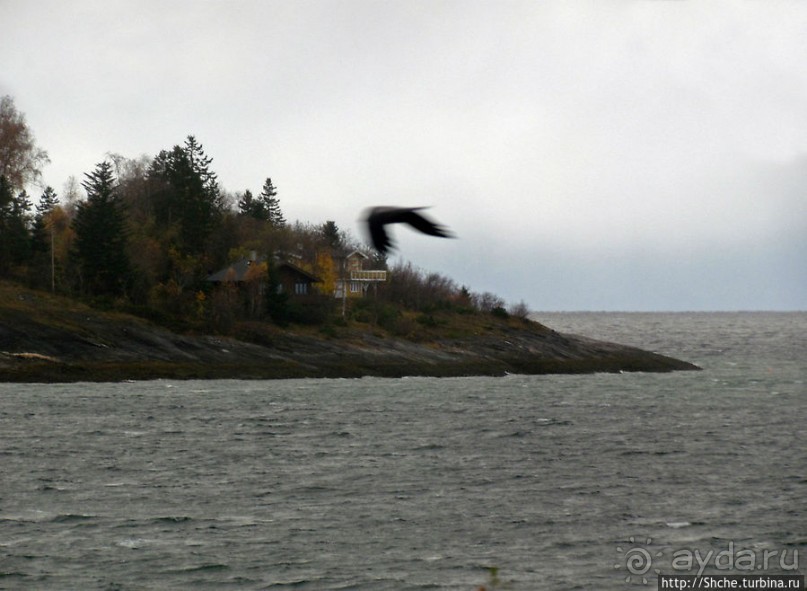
x=301, y=288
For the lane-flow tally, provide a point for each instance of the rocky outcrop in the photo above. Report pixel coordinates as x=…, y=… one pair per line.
x=43, y=343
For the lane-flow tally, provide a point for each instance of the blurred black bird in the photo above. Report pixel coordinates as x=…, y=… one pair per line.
x=378, y=217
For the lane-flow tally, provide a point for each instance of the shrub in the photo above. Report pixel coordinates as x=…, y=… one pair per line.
x=487, y=302
x=414, y=289
x=500, y=312
x=427, y=320
x=311, y=309
x=519, y=310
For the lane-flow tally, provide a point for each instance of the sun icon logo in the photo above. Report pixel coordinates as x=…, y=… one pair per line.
x=637, y=560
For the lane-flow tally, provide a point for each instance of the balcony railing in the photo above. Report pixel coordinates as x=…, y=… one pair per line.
x=368, y=275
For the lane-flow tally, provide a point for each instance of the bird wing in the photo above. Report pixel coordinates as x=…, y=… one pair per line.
x=378, y=234
x=379, y=217
x=421, y=223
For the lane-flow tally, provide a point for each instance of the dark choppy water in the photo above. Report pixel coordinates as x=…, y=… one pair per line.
x=418, y=483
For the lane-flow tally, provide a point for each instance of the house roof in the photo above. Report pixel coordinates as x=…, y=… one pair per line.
x=298, y=271
x=237, y=271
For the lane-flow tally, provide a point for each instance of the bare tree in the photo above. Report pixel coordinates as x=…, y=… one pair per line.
x=520, y=310
x=487, y=301
x=21, y=161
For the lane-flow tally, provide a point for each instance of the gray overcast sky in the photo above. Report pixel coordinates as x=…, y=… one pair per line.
x=642, y=155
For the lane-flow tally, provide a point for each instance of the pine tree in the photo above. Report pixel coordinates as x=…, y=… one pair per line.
x=47, y=202
x=190, y=198
x=271, y=205
x=15, y=222
x=200, y=165
x=101, y=235
x=6, y=197
x=249, y=206
x=41, y=237
x=330, y=233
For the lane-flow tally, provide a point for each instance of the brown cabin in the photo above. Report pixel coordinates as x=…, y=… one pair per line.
x=293, y=279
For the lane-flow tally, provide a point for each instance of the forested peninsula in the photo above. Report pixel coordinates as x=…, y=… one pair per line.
x=47, y=338
x=149, y=269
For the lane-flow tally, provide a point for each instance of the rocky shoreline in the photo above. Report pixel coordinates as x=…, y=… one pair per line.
x=40, y=342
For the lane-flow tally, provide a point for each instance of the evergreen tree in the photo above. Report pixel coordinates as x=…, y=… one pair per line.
x=266, y=207
x=15, y=222
x=6, y=197
x=330, y=232
x=200, y=165
x=190, y=198
x=41, y=238
x=47, y=202
x=101, y=236
x=6, y=192
x=249, y=206
x=271, y=205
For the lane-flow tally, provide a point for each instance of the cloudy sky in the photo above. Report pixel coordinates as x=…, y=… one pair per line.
x=625, y=155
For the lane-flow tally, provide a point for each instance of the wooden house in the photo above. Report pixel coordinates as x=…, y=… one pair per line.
x=355, y=280
x=293, y=279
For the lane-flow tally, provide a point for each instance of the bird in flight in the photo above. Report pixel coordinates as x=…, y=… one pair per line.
x=379, y=217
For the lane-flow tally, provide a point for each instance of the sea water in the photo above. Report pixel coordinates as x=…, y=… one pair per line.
x=560, y=482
